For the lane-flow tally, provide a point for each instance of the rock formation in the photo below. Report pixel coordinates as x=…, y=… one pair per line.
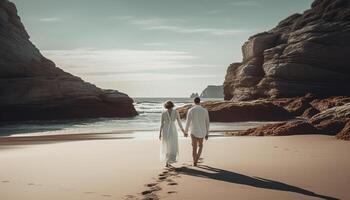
x=213, y=91
x=32, y=87
x=259, y=110
x=304, y=53
x=345, y=133
x=194, y=95
x=279, y=129
x=331, y=116
x=299, y=69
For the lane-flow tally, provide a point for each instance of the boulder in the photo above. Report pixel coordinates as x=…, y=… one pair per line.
x=258, y=110
x=298, y=127
x=345, y=133
x=332, y=121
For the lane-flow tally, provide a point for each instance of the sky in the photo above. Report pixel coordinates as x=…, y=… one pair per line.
x=149, y=48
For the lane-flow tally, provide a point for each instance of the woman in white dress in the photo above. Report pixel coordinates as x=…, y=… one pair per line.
x=168, y=134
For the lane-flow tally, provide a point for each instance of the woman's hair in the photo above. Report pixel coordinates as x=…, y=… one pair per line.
x=168, y=104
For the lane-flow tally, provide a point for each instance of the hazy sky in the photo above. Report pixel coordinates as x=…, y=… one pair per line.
x=167, y=48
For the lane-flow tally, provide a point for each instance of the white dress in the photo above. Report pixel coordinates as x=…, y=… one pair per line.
x=169, y=147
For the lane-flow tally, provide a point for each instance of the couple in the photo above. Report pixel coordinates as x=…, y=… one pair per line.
x=197, y=122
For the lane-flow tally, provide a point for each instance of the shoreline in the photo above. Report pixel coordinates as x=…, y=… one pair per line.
x=129, y=131
x=23, y=139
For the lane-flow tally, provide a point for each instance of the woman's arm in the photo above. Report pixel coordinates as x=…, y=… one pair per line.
x=161, y=126
x=178, y=119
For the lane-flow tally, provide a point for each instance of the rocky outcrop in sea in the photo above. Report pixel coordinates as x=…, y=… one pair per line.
x=213, y=91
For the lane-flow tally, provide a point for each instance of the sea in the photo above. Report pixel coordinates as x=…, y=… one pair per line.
x=145, y=125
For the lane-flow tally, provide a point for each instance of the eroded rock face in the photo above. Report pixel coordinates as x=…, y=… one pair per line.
x=298, y=127
x=303, y=53
x=345, y=133
x=32, y=87
x=331, y=121
x=259, y=110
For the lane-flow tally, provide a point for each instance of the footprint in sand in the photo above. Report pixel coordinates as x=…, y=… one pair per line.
x=6, y=181
x=88, y=192
x=163, y=175
x=106, y=195
x=146, y=192
x=151, y=184
x=152, y=189
x=150, y=197
x=30, y=183
x=129, y=197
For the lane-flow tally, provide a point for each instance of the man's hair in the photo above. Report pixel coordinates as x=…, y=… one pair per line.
x=197, y=100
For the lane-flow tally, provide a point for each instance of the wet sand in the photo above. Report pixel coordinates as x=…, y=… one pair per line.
x=103, y=167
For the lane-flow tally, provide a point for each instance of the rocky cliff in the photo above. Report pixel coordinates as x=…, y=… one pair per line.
x=304, y=53
x=32, y=87
x=213, y=91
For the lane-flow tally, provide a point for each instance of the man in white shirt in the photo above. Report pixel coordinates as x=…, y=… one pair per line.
x=198, y=124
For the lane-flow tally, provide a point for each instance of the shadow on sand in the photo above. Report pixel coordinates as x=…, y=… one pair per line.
x=232, y=177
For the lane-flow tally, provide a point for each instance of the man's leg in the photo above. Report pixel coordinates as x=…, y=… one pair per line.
x=200, y=145
x=194, y=150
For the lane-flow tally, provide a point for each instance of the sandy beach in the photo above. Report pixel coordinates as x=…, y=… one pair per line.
x=88, y=167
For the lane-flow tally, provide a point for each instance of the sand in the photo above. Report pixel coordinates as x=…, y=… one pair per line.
x=88, y=167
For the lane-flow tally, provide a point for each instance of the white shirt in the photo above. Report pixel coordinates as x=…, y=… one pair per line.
x=198, y=121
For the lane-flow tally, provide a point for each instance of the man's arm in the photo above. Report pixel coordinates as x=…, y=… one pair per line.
x=188, y=120
x=207, y=123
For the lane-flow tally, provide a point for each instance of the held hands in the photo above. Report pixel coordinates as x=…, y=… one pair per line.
x=185, y=133
x=206, y=137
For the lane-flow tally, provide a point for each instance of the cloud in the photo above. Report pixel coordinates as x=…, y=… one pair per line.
x=212, y=31
x=154, y=44
x=161, y=24
x=125, y=17
x=216, y=11
x=50, y=19
x=145, y=22
x=124, y=64
x=139, y=72
x=244, y=3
